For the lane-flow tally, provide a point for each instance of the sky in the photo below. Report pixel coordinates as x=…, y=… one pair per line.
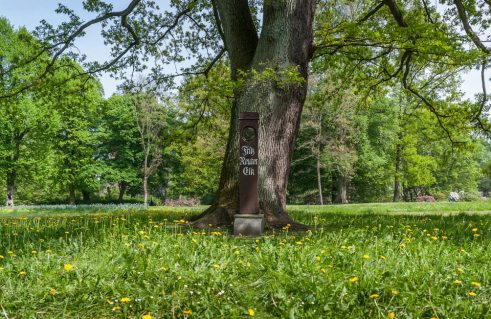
x=28, y=13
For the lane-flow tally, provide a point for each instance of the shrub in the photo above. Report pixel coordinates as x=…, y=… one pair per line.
x=470, y=197
x=425, y=198
x=440, y=196
x=453, y=197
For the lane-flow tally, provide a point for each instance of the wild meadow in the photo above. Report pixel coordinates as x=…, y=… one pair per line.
x=358, y=261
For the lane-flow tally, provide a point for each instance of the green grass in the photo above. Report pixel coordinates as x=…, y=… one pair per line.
x=171, y=270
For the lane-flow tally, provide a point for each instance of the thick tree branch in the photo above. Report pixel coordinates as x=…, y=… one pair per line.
x=468, y=28
x=218, y=22
x=396, y=12
x=240, y=33
x=371, y=13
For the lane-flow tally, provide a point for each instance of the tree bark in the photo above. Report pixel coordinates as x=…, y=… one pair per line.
x=145, y=189
x=286, y=41
x=397, y=182
x=341, y=195
x=11, y=183
x=122, y=188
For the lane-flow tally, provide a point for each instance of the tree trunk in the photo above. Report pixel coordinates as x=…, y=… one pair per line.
x=285, y=42
x=86, y=195
x=145, y=189
x=397, y=182
x=319, y=184
x=72, y=195
x=122, y=188
x=341, y=195
x=11, y=184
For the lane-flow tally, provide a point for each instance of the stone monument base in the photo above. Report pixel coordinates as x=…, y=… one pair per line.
x=248, y=224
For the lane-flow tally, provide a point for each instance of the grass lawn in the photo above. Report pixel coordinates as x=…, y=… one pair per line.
x=416, y=260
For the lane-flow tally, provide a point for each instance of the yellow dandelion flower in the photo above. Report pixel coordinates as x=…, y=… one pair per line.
x=53, y=292
x=476, y=235
x=323, y=270
x=354, y=279
x=146, y=317
x=49, y=251
x=109, y=301
x=457, y=282
x=349, y=247
x=126, y=244
x=163, y=268
x=366, y=256
x=22, y=273
x=251, y=312
x=460, y=270
x=188, y=312
x=317, y=258
x=383, y=257
x=125, y=299
x=330, y=266
x=323, y=251
x=391, y=315
x=374, y=296
x=473, y=294
x=434, y=238
x=68, y=267
x=282, y=244
x=298, y=243
x=248, y=264
x=116, y=308
x=394, y=292
x=1, y=257
x=216, y=266
x=475, y=284
x=343, y=247
x=474, y=229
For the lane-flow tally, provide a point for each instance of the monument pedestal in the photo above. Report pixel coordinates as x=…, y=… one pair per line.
x=248, y=224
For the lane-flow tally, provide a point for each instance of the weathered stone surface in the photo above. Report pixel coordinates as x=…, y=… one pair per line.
x=248, y=224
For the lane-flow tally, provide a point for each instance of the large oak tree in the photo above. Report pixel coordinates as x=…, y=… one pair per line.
x=269, y=63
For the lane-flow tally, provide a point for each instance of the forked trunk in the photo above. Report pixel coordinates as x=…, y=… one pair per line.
x=285, y=44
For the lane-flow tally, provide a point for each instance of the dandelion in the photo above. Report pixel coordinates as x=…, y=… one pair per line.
x=216, y=266
x=49, y=251
x=460, y=270
x=68, y=267
x=317, y=258
x=109, y=301
x=251, y=312
x=434, y=238
x=323, y=251
x=394, y=292
x=53, y=292
x=354, y=279
x=116, y=308
x=474, y=229
x=22, y=273
x=34, y=252
x=1, y=257
x=476, y=235
x=188, y=312
x=349, y=247
x=323, y=270
x=126, y=244
x=343, y=247
x=366, y=256
x=391, y=315
x=457, y=282
x=473, y=294
x=475, y=284
x=383, y=257
x=298, y=243
x=146, y=317
x=374, y=296
x=125, y=299
x=248, y=264
x=163, y=268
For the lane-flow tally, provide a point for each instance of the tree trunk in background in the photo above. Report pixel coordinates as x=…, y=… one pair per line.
x=72, y=195
x=319, y=184
x=341, y=195
x=122, y=188
x=145, y=189
x=11, y=184
x=397, y=182
x=285, y=42
x=86, y=195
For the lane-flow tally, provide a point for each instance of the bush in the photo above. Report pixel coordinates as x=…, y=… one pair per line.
x=425, y=198
x=440, y=196
x=470, y=196
x=453, y=197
